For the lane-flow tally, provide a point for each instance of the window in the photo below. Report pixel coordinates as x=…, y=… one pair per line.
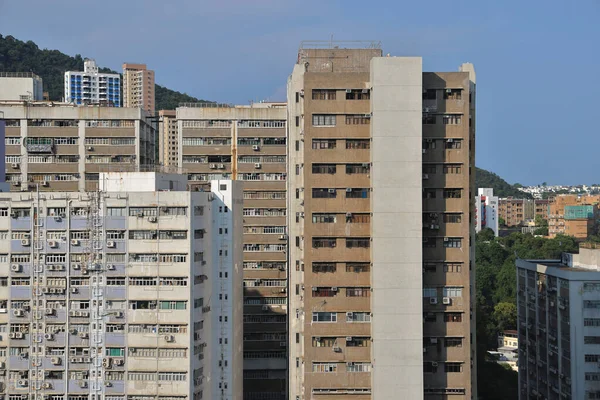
x=429, y=242
x=452, y=94
x=323, y=94
x=173, y=305
x=428, y=119
x=451, y=119
x=452, y=317
x=453, y=144
x=429, y=169
x=358, y=144
x=358, y=267
x=452, y=168
x=358, y=218
x=323, y=242
x=324, y=367
x=324, y=291
x=452, y=292
x=358, y=94
x=358, y=292
x=429, y=94
x=591, y=304
x=318, y=267
x=360, y=119
x=324, y=317
x=452, y=193
x=452, y=367
x=358, y=168
x=358, y=317
x=455, y=218
x=358, y=242
x=324, y=193
x=453, y=243
x=591, y=339
x=324, y=219
x=323, y=168
x=323, y=120
x=321, y=144
x=452, y=267
x=591, y=322
x=453, y=342
x=357, y=193
x=323, y=341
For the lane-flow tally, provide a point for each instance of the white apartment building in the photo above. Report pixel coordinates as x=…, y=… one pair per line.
x=486, y=210
x=130, y=292
x=21, y=86
x=92, y=87
x=559, y=326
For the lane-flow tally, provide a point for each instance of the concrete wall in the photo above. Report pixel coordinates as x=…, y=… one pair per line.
x=141, y=181
x=397, y=324
x=14, y=88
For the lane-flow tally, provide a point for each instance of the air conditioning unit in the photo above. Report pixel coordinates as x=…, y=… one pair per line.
x=15, y=165
x=55, y=360
x=24, y=354
x=446, y=301
x=111, y=244
x=152, y=219
x=74, y=290
x=433, y=340
x=90, y=148
x=265, y=308
x=255, y=147
x=334, y=289
x=119, y=314
x=15, y=268
x=434, y=364
x=22, y=383
x=446, y=239
x=49, y=311
x=16, y=183
x=169, y=338
x=283, y=237
x=221, y=166
x=75, y=242
x=331, y=190
x=110, y=267
x=73, y=331
x=425, y=176
x=212, y=166
x=82, y=384
x=257, y=165
x=53, y=244
x=11, y=335
x=433, y=300
x=140, y=215
x=83, y=335
x=46, y=385
x=107, y=384
x=18, y=313
x=19, y=335
x=76, y=266
x=45, y=183
x=349, y=314
x=25, y=242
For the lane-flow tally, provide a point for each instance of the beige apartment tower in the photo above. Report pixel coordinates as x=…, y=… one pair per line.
x=248, y=143
x=380, y=222
x=167, y=137
x=138, y=87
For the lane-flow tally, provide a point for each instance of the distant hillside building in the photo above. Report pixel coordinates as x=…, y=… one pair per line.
x=92, y=87
x=517, y=212
x=486, y=210
x=21, y=86
x=167, y=137
x=573, y=215
x=138, y=87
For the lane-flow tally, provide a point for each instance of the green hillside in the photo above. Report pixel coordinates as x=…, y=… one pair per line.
x=487, y=179
x=19, y=56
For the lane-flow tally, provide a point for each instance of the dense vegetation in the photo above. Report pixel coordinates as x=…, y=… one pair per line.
x=487, y=179
x=496, y=299
x=19, y=56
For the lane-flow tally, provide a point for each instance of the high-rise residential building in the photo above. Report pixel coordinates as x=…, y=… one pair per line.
x=21, y=86
x=138, y=87
x=248, y=143
x=486, y=210
x=573, y=215
x=380, y=226
x=515, y=212
x=63, y=147
x=131, y=291
x=559, y=326
x=92, y=87
x=4, y=187
x=167, y=137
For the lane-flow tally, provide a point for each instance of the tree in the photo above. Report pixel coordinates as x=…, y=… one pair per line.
x=501, y=221
x=505, y=316
x=540, y=221
x=487, y=179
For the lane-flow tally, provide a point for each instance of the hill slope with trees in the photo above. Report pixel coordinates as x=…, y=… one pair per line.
x=19, y=56
x=487, y=179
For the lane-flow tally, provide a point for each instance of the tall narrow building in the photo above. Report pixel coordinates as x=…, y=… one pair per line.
x=248, y=143
x=167, y=138
x=138, y=87
x=380, y=222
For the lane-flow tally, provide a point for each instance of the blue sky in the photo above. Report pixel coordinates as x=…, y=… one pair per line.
x=537, y=63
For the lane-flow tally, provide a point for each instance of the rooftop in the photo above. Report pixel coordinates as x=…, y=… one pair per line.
x=19, y=75
x=340, y=44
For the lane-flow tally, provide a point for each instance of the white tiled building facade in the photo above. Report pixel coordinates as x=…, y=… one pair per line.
x=122, y=295
x=92, y=87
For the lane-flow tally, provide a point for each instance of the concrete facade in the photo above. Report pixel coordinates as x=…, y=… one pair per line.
x=63, y=147
x=486, y=210
x=560, y=222
x=380, y=227
x=517, y=212
x=141, y=292
x=248, y=143
x=92, y=87
x=138, y=87
x=559, y=326
x=21, y=86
